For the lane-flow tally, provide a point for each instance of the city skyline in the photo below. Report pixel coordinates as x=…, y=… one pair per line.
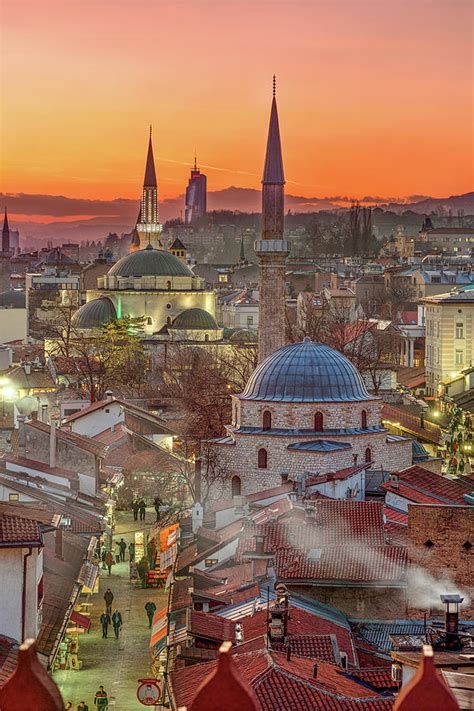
x=352, y=124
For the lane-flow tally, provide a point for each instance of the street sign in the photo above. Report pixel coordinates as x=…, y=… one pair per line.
x=149, y=691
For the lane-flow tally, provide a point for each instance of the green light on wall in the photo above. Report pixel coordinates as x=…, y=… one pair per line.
x=119, y=306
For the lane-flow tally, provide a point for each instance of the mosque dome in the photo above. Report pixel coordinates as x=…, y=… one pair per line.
x=306, y=372
x=150, y=262
x=195, y=320
x=12, y=299
x=95, y=313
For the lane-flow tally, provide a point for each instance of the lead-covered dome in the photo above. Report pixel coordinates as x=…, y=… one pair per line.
x=149, y=262
x=306, y=372
x=95, y=313
x=195, y=320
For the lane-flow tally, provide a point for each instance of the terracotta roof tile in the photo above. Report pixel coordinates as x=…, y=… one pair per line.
x=419, y=484
x=378, y=677
x=15, y=531
x=311, y=646
x=85, y=443
x=209, y=626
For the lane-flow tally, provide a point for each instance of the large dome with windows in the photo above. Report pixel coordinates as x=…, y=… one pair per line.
x=306, y=372
x=150, y=262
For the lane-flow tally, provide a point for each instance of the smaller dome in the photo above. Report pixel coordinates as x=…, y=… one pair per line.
x=195, y=320
x=243, y=335
x=95, y=313
x=26, y=405
x=12, y=299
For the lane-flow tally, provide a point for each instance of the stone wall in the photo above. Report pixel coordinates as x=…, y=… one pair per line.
x=439, y=540
x=375, y=603
x=35, y=445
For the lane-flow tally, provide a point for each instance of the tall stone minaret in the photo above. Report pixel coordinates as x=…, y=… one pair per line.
x=272, y=250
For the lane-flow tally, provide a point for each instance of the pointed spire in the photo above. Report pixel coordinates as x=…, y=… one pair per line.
x=195, y=160
x=5, y=221
x=150, y=175
x=242, y=249
x=5, y=234
x=273, y=171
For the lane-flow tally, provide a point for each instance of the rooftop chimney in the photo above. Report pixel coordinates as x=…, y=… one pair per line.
x=108, y=395
x=260, y=545
x=452, y=620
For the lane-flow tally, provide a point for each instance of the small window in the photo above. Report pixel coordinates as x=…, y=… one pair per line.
x=267, y=420
x=168, y=306
x=13, y=497
x=168, y=321
x=206, y=336
x=368, y=455
x=364, y=419
x=209, y=562
x=107, y=410
x=168, y=285
x=318, y=422
x=236, y=486
x=467, y=545
x=459, y=358
x=249, y=320
x=459, y=329
x=429, y=544
x=262, y=458
x=149, y=321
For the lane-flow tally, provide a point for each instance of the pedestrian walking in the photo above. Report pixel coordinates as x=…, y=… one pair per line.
x=68, y=706
x=109, y=598
x=142, y=509
x=105, y=622
x=101, y=700
x=109, y=561
x=135, y=508
x=117, y=622
x=131, y=551
x=157, y=503
x=123, y=548
x=151, y=553
x=83, y=706
x=150, y=608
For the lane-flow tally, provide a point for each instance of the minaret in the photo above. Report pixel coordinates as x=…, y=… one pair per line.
x=6, y=235
x=272, y=250
x=148, y=226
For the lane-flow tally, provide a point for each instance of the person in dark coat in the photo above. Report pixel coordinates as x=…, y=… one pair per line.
x=109, y=598
x=150, y=608
x=135, y=510
x=123, y=548
x=101, y=700
x=83, y=706
x=117, y=622
x=105, y=622
x=131, y=551
x=142, y=509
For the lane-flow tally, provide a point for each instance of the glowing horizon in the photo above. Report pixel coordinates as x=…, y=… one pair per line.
x=374, y=98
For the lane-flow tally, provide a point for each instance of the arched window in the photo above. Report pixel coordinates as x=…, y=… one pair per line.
x=168, y=321
x=206, y=336
x=368, y=455
x=168, y=285
x=262, y=458
x=318, y=422
x=149, y=321
x=267, y=420
x=236, y=486
x=364, y=419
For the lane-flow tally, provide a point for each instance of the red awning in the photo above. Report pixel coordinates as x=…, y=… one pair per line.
x=81, y=620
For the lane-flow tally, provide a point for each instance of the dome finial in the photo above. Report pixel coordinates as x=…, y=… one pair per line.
x=306, y=339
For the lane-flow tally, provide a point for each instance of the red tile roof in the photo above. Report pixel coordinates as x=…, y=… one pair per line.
x=395, y=516
x=89, y=445
x=378, y=677
x=280, y=684
x=269, y=493
x=350, y=564
x=209, y=626
x=16, y=531
x=93, y=407
x=8, y=657
x=311, y=646
x=339, y=475
x=38, y=466
x=423, y=486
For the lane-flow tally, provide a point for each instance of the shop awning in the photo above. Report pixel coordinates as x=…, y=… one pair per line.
x=81, y=620
x=159, y=629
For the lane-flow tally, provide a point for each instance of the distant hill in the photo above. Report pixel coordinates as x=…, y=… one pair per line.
x=77, y=220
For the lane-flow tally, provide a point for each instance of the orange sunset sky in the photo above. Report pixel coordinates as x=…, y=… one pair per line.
x=375, y=96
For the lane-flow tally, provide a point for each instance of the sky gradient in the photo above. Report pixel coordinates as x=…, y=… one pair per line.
x=375, y=96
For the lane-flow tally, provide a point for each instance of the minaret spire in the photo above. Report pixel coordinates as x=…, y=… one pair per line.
x=5, y=234
x=195, y=160
x=150, y=174
x=272, y=249
x=148, y=225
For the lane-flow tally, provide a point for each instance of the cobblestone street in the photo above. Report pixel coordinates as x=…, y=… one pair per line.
x=116, y=664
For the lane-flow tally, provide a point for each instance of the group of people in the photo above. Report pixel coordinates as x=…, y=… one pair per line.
x=101, y=702
x=110, y=618
x=139, y=508
x=108, y=558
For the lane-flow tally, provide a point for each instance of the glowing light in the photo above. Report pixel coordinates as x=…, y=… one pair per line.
x=436, y=413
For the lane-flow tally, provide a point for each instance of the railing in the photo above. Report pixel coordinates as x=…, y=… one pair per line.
x=406, y=420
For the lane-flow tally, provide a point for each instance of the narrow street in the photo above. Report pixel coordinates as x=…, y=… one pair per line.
x=116, y=664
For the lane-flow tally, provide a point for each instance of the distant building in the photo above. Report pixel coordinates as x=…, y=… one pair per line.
x=196, y=196
x=449, y=324
x=456, y=240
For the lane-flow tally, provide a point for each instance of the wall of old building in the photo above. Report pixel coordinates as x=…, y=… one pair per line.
x=441, y=541
x=378, y=603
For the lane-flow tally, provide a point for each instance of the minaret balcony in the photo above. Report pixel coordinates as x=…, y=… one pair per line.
x=272, y=246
